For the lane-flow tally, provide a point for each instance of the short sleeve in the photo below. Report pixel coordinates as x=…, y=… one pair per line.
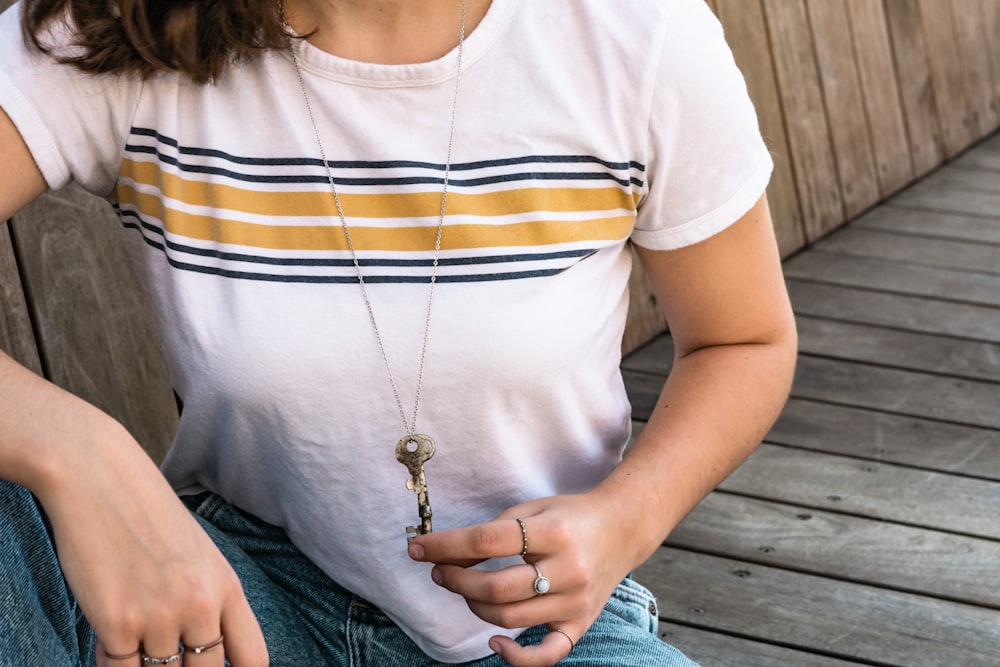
x=74, y=124
x=707, y=163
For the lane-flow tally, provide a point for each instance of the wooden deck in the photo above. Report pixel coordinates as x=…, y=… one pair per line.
x=865, y=530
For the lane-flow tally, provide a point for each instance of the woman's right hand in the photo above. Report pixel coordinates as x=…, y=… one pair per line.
x=141, y=567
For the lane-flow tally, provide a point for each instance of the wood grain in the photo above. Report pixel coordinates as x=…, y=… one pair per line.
x=873, y=489
x=645, y=318
x=808, y=131
x=912, y=64
x=936, y=252
x=880, y=94
x=843, y=99
x=945, y=63
x=16, y=334
x=934, y=224
x=746, y=33
x=975, y=56
x=842, y=546
x=95, y=332
x=808, y=612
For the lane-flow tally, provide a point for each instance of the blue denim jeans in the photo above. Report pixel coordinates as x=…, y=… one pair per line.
x=307, y=619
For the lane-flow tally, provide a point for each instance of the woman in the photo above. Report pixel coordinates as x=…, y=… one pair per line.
x=388, y=258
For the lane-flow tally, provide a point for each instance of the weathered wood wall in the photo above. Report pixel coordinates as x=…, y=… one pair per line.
x=856, y=98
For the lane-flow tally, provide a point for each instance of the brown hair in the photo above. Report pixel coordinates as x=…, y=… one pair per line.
x=195, y=37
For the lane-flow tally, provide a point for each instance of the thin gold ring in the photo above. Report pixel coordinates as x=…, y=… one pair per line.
x=572, y=644
x=524, y=537
x=123, y=656
x=201, y=649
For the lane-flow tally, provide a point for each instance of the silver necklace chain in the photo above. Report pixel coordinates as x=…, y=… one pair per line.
x=411, y=427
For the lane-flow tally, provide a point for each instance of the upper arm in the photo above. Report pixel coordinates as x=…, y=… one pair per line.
x=21, y=180
x=725, y=290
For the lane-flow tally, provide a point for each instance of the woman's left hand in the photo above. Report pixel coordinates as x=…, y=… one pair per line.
x=575, y=543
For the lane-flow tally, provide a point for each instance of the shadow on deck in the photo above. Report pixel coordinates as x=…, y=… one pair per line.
x=865, y=530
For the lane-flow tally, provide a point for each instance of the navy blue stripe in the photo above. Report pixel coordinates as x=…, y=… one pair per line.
x=391, y=164
x=409, y=180
x=374, y=279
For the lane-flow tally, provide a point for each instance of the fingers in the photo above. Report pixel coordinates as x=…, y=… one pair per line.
x=555, y=646
x=467, y=546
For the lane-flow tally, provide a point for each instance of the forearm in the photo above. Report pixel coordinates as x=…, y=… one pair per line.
x=715, y=407
x=48, y=435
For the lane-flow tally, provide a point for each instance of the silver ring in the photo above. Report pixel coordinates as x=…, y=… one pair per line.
x=122, y=656
x=201, y=649
x=541, y=584
x=170, y=659
x=572, y=644
x=524, y=537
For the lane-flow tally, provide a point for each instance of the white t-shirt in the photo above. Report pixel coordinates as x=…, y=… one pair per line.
x=581, y=124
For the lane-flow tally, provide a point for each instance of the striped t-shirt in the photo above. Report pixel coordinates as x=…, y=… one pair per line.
x=581, y=125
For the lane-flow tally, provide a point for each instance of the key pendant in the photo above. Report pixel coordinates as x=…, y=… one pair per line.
x=412, y=451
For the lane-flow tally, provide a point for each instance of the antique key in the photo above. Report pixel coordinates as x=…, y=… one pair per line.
x=412, y=451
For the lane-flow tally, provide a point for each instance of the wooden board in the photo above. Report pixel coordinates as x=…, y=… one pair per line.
x=746, y=33
x=874, y=489
x=949, y=200
x=842, y=98
x=962, y=178
x=907, y=313
x=948, y=284
x=843, y=546
x=900, y=349
x=917, y=95
x=805, y=117
x=946, y=76
x=975, y=56
x=717, y=650
x=840, y=619
x=16, y=335
x=95, y=332
x=645, y=318
x=936, y=224
x=907, y=440
x=946, y=253
x=880, y=95
x=899, y=391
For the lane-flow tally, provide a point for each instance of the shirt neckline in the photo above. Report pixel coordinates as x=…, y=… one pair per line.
x=374, y=75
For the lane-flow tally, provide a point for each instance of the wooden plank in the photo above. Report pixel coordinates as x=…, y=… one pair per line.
x=645, y=318
x=746, y=33
x=901, y=392
x=945, y=253
x=909, y=49
x=933, y=224
x=805, y=118
x=946, y=76
x=912, y=441
x=842, y=99
x=984, y=114
x=94, y=328
x=880, y=94
x=872, y=489
x=718, y=650
x=962, y=178
x=902, y=312
x=949, y=200
x=16, y=334
x=900, y=349
x=958, y=286
x=841, y=619
x=952, y=567
x=978, y=158
x=991, y=36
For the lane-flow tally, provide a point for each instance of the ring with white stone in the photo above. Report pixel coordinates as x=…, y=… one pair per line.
x=541, y=584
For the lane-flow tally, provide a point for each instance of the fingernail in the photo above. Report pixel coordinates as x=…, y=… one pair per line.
x=495, y=647
x=436, y=576
x=416, y=552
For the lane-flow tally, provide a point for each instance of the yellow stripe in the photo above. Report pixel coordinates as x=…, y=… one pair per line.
x=386, y=205
x=412, y=239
